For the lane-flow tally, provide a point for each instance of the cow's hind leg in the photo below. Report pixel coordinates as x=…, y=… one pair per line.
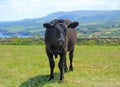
x=52, y=65
x=71, y=60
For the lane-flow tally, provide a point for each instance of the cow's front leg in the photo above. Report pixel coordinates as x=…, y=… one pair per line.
x=60, y=64
x=52, y=65
x=65, y=65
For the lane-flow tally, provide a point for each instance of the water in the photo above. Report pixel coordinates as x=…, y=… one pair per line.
x=9, y=36
x=5, y=36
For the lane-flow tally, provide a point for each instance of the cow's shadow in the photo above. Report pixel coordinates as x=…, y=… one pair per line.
x=39, y=81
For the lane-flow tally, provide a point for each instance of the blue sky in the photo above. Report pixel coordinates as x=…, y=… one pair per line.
x=11, y=10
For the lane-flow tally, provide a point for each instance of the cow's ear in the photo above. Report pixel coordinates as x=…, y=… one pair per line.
x=47, y=25
x=73, y=25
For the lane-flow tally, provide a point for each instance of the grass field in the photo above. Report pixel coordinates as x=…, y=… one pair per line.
x=27, y=66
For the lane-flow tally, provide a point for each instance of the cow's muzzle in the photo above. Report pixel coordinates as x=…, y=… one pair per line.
x=60, y=42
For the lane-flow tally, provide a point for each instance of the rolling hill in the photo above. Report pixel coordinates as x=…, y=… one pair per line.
x=92, y=23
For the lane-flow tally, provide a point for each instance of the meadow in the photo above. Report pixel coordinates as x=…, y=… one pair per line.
x=27, y=66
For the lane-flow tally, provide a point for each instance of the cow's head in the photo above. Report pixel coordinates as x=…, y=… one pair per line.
x=60, y=27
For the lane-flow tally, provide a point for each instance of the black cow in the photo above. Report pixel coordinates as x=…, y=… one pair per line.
x=60, y=37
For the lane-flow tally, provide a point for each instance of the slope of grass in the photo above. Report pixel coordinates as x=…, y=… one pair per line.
x=27, y=66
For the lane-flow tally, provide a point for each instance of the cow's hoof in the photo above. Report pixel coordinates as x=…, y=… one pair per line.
x=65, y=69
x=70, y=68
x=61, y=78
x=50, y=78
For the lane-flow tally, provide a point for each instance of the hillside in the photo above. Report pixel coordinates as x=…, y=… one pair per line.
x=92, y=24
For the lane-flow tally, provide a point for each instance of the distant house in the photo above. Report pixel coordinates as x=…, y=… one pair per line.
x=95, y=34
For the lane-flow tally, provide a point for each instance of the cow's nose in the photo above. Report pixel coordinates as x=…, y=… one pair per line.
x=60, y=42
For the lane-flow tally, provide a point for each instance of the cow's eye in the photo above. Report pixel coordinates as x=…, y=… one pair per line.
x=65, y=32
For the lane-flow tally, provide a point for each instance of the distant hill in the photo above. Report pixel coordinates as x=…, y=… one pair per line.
x=92, y=23
x=86, y=16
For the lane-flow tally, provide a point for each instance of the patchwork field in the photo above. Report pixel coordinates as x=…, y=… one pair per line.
x=27, y=66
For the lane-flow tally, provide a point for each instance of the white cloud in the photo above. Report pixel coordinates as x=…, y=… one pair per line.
x=2, y=6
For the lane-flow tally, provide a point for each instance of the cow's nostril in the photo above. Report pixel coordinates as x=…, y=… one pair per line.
x=60, y=42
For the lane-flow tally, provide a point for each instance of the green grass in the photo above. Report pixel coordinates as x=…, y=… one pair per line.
x=16, y=28
x=27, y=66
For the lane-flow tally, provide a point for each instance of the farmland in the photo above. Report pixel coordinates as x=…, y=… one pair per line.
x=27, y=66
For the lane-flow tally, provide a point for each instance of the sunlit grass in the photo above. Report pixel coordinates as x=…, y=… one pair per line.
x=27, y=66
